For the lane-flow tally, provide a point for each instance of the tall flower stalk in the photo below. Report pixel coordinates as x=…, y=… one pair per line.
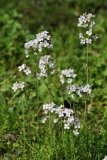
x=86, y=21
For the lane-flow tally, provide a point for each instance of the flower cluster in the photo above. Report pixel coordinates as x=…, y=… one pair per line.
x=18, y=85
x=43, y=40
x=64, y=113
x=67, y=74
x=85, y=21
x=70, y=89
x=25, y=69
x=45, y=62
x=46, y=65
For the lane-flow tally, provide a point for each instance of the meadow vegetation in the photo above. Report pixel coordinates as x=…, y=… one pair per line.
x=53, y=88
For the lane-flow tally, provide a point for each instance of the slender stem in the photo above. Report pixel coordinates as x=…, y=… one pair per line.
x=86, y=103
x=49, y=96
x=87, y=75
x=87, y=63
x=28, y=109
x=23, y=113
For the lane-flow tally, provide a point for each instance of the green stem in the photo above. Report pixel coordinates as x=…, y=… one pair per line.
x=87, y=64
x=23, y=127
x=86, y=103
x=49, y=96
x=87, y=75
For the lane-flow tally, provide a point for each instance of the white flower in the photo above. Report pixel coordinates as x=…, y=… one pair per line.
x=70, y=119
x=44, y=120
x=62, y=79
x=27, y=70
x=50, y=46
x=21, y=85
x=76, y=123
x=66, y=126
x=70, y=89
x=15, y=86
x=46, y=111
x=88, y=40
x=95, y=37
x=45, y=44
x=55, y=120
x=68, y=112
x=22, y=67
x=26, y=53
x=35, y=53
x=68, y=73
x=18, y=85
x=69, y=80
x=82, y=41
x=105, y=158
x=80, y=35
x=86, y=89
x=75, y=132
x=53, y=72
x=89, y=32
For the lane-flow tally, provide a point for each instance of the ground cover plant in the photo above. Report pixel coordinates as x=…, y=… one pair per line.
x=53, y=106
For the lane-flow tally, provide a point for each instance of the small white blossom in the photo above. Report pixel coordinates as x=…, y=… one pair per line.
x=44, y=120
x=89, y=32
x=95, y=37
x=46, y=111
x=82, y=41
x=70, y=119
x=76, y=123
x=69, y=80
x=75, y=132
x=55, y=120
x=62, y=79
x=27, y=70
x=18, y=85
x=22, y=67
x=35, y=53
x=66, y=126
x=80, y=35
x=70, y=89
x=49, y=107
x=53, y=72
x=88, y=40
